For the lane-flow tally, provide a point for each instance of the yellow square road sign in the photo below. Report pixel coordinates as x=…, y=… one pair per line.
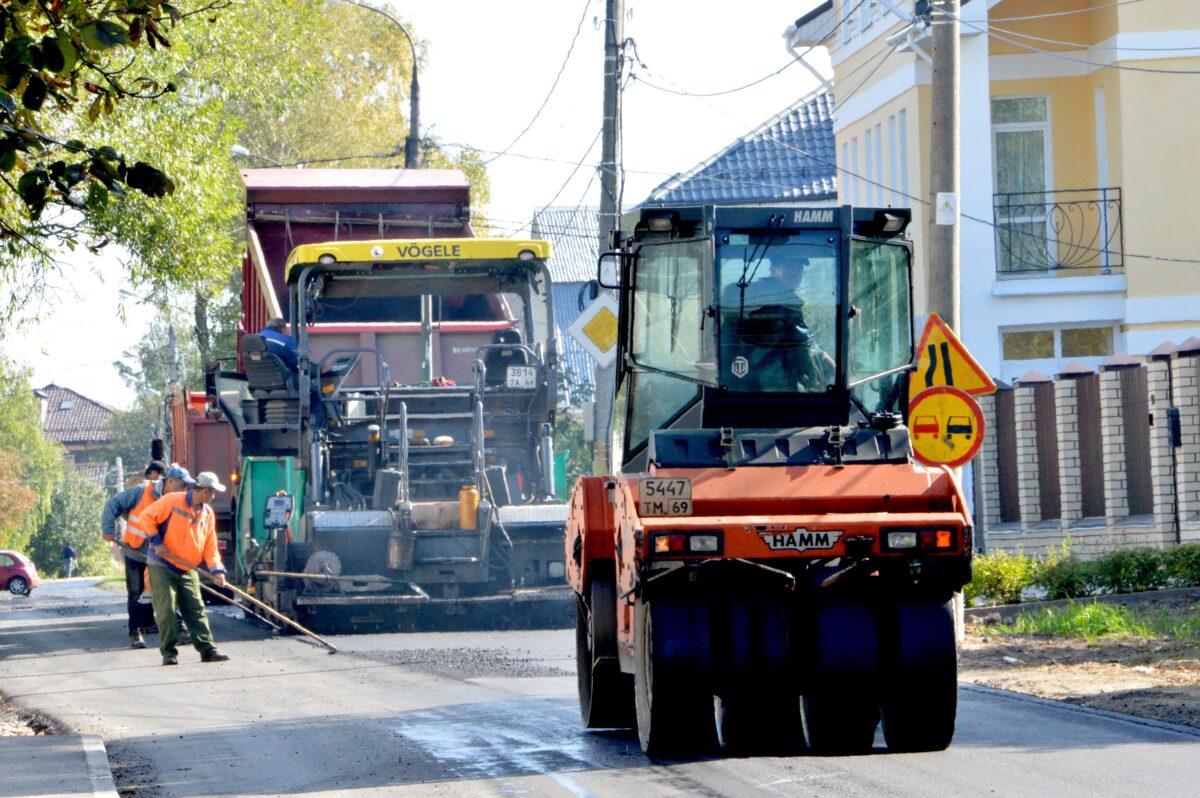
x=596, y=329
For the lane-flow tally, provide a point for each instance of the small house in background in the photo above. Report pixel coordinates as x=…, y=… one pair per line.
x=789, y=159
x=574, y=232
x=80, y=424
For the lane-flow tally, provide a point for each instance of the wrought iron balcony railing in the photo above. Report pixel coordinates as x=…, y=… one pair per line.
x=1039, y=232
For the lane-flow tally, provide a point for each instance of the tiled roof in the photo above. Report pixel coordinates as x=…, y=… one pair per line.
x=575, y=235
x=577, y=365
x=73, y=418
x=574, y=232
x=789, y=157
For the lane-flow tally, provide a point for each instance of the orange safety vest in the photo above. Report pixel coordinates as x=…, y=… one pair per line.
x=189, y=533
x=135, y=534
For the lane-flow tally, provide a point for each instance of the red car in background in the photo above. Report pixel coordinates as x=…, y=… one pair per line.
x=18, y=574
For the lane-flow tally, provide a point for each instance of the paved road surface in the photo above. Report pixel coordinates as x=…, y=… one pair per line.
x=488, y=714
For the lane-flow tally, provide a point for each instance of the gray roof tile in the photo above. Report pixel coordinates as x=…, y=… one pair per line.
x=788, y=158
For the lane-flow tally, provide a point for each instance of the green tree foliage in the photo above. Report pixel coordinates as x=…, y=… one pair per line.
x=253, y=78
x=74, y=518
x=131, y=431
x=67, y=66
x=29, y=464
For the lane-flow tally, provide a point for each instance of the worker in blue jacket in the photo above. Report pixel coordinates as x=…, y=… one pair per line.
x=282, y=345
x=279, y=343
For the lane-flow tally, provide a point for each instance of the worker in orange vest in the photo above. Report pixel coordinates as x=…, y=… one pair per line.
x=129, y=504
x=183, y=536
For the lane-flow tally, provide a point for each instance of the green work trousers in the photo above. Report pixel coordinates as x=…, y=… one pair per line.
x=171, y=590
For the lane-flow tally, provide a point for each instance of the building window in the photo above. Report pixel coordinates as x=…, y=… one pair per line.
x=902, y=124
x=66, y=404
x=845, y=14
x=868, y=168
x=1088, y=342
x=1021, y=154
x=893, y=163
x=854, y=173
x=1053, y=344
x=1028, y=345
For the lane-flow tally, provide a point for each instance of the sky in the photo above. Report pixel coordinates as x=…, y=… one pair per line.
x=488, y=68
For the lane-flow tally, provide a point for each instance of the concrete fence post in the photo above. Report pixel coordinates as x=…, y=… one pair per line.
x=1186, y=390
x=987, y=474
x=1028, y=480
x=1112, y=430
x=1070, y=471
x=1162, y=467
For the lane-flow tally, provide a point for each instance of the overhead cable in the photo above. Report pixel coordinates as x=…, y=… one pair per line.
x=553, y=86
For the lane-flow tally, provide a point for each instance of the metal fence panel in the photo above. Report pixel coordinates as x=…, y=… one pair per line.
x=1091, y=445
x=1049, y=490
x=1006, y=456
x=1135, y=418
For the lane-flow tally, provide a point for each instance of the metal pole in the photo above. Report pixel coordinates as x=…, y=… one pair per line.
x=610, y=212
x=943, y=243
x=412, y=144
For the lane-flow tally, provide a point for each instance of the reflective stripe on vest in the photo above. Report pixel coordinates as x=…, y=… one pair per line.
x=134, y=536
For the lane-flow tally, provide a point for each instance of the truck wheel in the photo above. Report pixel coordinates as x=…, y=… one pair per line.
x=920, y=685
x=674, y=706
x=840, y=701
x=605, y=694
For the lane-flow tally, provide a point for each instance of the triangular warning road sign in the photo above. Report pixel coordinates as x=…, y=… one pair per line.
x=942, y=360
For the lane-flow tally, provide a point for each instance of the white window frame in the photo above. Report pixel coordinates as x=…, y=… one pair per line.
x=1046, y=130
x=1057, y=329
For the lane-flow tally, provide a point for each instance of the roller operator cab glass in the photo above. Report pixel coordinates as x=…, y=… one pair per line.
x=778, y=300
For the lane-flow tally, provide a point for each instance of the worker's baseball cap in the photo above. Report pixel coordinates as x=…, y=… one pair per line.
x=156, y=465
x=207, y=479
x=180, y=473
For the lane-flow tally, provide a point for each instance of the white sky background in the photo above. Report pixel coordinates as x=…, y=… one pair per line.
x=488, y=67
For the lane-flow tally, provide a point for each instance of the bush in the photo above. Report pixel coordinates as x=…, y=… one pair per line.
x=1000, y=578
x=1130, y=571
x=1183, y=565
x=1065, y=576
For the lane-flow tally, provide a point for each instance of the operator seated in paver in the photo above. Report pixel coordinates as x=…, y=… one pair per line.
x=773, y=347
x=283, y=346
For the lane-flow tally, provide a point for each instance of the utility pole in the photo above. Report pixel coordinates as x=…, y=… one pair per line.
x=610, y=212
x=943, y=286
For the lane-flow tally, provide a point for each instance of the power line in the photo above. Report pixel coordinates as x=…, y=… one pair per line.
x=1067, y=13
x=684, y=93
x=1081, y=46
x=1064, y=56
x=553, y=85
x=923, y=202
x=841, y=101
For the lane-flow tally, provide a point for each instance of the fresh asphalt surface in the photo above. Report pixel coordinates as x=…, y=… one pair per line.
x=491, y=713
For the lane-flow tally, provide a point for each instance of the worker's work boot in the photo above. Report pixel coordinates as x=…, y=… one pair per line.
x=136, y=640
x=213, y=655
x=170, y=659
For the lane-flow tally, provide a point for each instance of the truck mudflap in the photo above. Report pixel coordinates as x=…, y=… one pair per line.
x=524, y=595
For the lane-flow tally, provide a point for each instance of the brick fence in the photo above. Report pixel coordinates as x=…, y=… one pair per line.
x=1103, y=460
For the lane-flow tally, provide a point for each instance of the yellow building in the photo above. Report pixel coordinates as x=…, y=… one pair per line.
x=1078, y=129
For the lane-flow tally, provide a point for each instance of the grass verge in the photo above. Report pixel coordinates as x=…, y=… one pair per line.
x=1092, y=620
